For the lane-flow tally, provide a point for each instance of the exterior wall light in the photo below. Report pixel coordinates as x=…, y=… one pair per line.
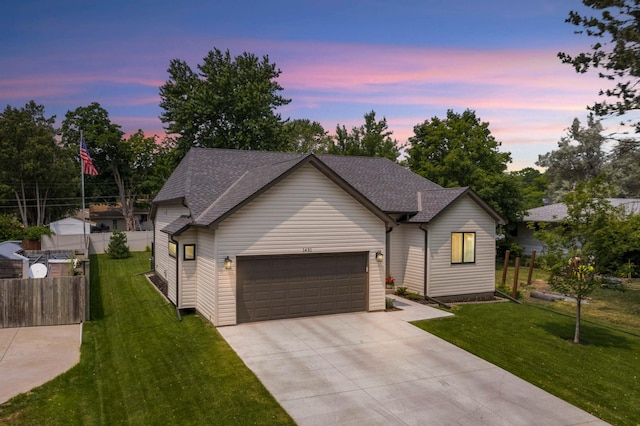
x=227, y=263
x=379, y=256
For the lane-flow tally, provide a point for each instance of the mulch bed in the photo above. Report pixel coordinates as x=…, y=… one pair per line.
x=159, y=283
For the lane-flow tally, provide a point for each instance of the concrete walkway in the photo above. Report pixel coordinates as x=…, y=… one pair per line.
x=31, y=356
x=377, y=369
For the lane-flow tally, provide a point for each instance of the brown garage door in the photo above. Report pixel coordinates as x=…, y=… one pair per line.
x=276, y=287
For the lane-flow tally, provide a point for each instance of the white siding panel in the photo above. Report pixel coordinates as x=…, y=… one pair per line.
x=188, y=279
x=414, y=270
x=165, y=265
x=306, y=212
x=446, y=279
x=397, y=255
x=407, y=257
x=206, y=275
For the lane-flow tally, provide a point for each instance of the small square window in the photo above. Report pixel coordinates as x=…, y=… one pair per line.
x=173, y=249
x=463, y=247
x=189, y=252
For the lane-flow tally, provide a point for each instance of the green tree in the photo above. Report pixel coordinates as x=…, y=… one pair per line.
x=35, y=168
x=622, y=168
x=460, y=151
x=572, y=250
x=227, y=103
x=126, y=166
x=372, y=139
x=305, y=136
x=118, y=248
x=615, y=53
x=534, y=186
x=617, y=245
x=580, y=156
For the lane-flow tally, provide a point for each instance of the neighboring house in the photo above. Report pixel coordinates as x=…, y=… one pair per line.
x=553, y=213
x=71, y=226
x=13, y=263
x=248, y=236
x=109, y=218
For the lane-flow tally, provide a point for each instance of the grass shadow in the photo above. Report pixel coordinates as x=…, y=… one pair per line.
x=97, y=310
x=590, y=335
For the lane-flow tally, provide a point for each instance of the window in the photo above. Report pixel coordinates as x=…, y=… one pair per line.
x=173, y=249
x=189, y=252
x=463, y=247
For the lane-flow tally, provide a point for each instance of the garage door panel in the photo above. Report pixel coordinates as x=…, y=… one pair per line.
x=274, y=287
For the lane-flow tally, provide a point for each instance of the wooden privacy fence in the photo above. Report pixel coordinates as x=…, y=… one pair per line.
x=43, y=301
x=10, y=268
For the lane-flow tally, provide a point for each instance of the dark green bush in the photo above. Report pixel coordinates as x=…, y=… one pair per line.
x=10, y=228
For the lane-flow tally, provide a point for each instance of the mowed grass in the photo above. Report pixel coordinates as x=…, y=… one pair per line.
x=140, y=365
x=601, y=376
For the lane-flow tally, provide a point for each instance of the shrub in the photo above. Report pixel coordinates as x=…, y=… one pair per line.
x=10, y=228
x=36, y=232
x=401, y=291
x=118, y=248
x=388, y=303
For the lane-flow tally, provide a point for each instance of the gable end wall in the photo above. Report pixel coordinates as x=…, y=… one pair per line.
x=306, y=212
x=446, y=279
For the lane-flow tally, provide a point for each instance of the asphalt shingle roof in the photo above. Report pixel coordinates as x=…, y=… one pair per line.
x=557, y=212
x=213, y=182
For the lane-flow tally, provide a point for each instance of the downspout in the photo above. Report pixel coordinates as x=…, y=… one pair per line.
x=426, y=254
x=184, y=203
x=177, y=277
x=387, y=249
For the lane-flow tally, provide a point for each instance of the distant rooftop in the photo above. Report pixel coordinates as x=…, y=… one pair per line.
x=556, y=212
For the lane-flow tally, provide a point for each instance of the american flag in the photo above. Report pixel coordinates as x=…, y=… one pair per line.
x=87, y=165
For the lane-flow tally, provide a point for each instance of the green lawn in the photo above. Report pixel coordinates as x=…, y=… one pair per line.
x=139, y=365
x=601, y=376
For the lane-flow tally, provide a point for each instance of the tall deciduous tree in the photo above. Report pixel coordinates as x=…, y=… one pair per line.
x=534, y=186
x=227, y=103
x=623, y=168
x=372, y=139
x=460, y=151
x=615, y=53
x=305, y=136
x=580, y=157
x=127, y=163
x=34, y=167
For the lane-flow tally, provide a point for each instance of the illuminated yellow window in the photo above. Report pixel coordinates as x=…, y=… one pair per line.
x=463, y=247
x=189, y=252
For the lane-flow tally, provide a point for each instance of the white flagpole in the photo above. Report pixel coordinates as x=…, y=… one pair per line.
x=84, y=226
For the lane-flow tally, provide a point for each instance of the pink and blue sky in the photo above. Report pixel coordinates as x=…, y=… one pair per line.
x=408, y=60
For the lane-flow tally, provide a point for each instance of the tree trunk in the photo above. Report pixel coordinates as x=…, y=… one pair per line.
x=41, y=204
x=576, y=336
x=126, y=203
x=22, y=205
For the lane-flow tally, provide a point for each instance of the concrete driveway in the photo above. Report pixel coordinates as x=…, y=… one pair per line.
x=375, y=368
x=31, y=356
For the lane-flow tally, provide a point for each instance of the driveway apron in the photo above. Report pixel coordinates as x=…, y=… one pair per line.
x=31, y=356
x=377, y=369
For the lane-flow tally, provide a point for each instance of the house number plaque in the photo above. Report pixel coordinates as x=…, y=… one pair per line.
x=306, y=250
